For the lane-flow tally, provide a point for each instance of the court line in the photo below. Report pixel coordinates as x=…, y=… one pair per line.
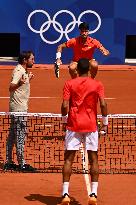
x=86, y=176
x=110, y=98
x=50, y=97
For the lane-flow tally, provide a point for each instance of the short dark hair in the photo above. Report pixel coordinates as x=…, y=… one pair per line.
x=83, y=65
x=24, y=55
x=84, y=26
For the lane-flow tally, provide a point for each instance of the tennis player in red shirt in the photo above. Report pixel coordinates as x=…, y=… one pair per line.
x=80, y=98
x=83, y=47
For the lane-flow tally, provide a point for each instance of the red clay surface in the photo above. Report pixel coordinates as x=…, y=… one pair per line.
x=119, y=82
x=120, y=87
x=38, y=189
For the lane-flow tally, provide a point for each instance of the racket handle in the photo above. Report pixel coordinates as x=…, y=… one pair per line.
x=56, y=67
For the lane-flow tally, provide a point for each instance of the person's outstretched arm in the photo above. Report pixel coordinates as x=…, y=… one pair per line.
x=59, y=51
x=104, y=51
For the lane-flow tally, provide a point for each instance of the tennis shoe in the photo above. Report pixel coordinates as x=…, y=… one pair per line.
x=27, y=168
x=65, y=199
x=92, y=200
x=56, y=68
x=10, y=166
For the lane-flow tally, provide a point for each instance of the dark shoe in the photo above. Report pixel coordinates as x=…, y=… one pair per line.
x=65, y=199
x=27, y=168
x=92, y=200
x=10, y=166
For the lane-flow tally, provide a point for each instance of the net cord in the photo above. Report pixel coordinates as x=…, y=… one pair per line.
x=59, y=115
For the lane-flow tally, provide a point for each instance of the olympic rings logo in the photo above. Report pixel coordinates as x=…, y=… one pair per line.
x=57, y=26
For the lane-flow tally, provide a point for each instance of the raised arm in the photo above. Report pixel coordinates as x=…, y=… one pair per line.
x=104, y=51
x=14, y=86
x=59, y=51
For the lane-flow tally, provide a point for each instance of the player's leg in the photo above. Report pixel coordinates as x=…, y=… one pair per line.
x=72, y=143
x=73, y=69
x=67, y=170
x=68, y=161
x=20, y=138
x=94, y=172
x=93, y=68
x=9, y=164
x=92, y=147
x=21, y=130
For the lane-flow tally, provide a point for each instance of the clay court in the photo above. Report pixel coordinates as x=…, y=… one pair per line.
x=46, y=90
x=46, y=97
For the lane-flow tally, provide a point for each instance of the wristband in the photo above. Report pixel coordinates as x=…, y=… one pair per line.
x=64, y=119
x=58, y=55
x=105, y=120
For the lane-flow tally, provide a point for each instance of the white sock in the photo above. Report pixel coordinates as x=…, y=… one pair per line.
x=65, y=188
x=94, y=187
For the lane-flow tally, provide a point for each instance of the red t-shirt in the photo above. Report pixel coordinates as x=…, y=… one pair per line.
x=83, y=94
x=81, y=50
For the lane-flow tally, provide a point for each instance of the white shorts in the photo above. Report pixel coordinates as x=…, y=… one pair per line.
x=73, y=140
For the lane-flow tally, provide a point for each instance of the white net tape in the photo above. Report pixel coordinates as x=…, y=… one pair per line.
x=59, y=115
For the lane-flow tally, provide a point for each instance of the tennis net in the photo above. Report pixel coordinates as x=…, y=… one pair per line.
x=44, y=144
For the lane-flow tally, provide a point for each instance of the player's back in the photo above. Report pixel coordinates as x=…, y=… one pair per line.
x=84, y=93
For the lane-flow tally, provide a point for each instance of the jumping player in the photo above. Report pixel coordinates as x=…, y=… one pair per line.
x=83, y=47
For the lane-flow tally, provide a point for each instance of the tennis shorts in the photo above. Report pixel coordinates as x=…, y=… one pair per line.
x=73, y=140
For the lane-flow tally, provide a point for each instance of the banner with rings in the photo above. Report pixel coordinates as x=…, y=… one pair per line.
x=57, y=25
x=43, y=25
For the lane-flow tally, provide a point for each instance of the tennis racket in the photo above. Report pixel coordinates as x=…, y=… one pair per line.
x=56, y=69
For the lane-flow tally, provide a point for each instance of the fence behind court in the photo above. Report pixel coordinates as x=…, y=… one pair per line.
x=44, y=145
